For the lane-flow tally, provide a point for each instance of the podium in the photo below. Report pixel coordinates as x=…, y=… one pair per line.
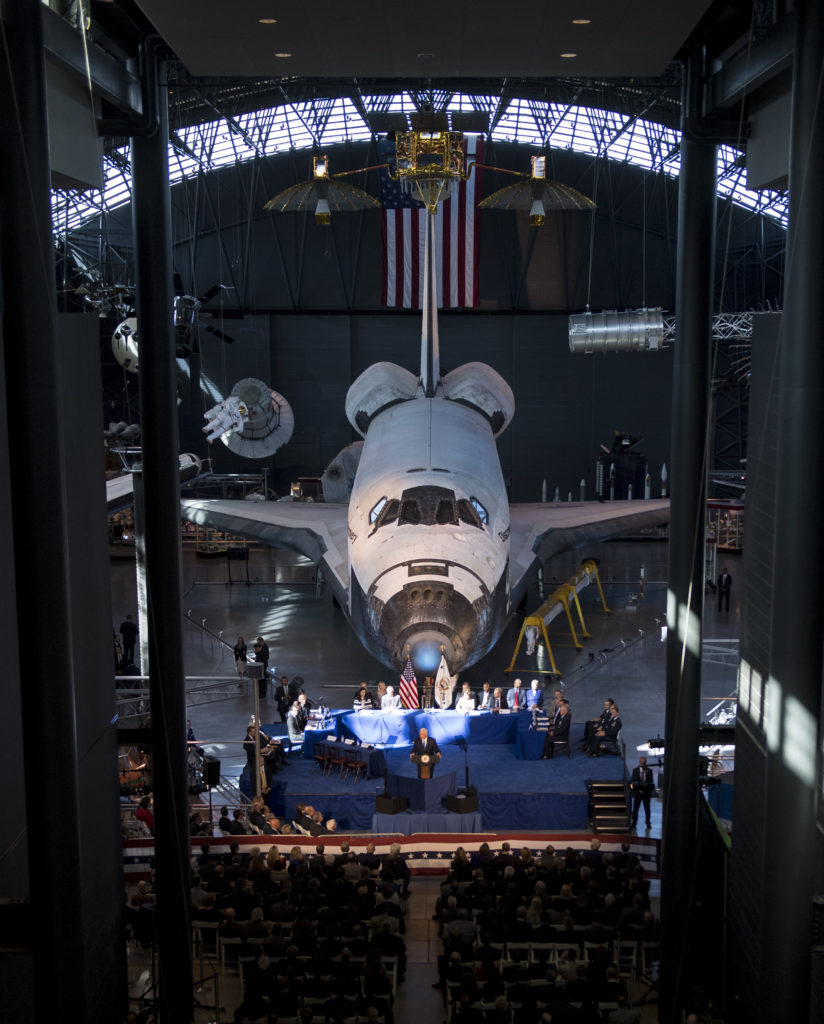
x=426, y=764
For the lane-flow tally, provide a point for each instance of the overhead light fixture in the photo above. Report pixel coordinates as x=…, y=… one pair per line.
x=569, y=55
x=536, y=214
x=267, y=21
x=582, y=21
x=283, y=56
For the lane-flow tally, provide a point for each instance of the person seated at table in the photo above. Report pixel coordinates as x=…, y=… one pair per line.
x=424, y=744
x=363, y=699
x=466, y=699
x=559, y=732
x=515, y=697
x=485, y=697
x=380, y=692
x=534, y=696
x=498, y=702
x=390, y=700
x=295, y=723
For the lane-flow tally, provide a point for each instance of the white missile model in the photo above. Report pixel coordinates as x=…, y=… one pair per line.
x=428, y=555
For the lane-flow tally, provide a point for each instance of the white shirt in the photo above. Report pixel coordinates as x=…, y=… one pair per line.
x=465, y=703
x=389, y=701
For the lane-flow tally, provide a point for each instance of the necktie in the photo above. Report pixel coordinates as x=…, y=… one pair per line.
x=516, y=698
x=497, y=702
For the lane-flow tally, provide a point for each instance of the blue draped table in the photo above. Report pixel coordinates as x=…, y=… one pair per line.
x=423, y=794
x=408, y=824
x=399, y=728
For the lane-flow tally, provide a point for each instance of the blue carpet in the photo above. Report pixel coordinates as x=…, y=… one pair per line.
x=514, y=794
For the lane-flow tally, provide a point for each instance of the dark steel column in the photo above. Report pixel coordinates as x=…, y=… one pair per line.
x=793, y=697
x=38, y=504
x=158, y=420
x=685, y=599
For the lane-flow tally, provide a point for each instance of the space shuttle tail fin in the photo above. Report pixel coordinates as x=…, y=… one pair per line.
x=430, y=351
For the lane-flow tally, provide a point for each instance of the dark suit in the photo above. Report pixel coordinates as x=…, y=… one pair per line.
x=420, y=747
x=430, y=747
x=608, y=743
x=724, y=584
x=284, y=698
x=642, y=786
x=128, y=634
x=558, y=733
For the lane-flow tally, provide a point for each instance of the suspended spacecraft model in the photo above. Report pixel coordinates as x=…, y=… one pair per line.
x=323, y=194
x=253, y=421
x=536, y=194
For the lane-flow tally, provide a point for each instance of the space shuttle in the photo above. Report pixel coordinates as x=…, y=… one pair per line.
x=428, y=556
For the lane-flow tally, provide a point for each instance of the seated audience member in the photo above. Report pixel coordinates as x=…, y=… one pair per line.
x=225, y=821
x=294, y=724
x=390, y=700
x=237, y=828
x=466, y=699
x=485, y=697
x=558, y=732
x=363, y=699
x=535, y=696
x=498, y=702
x=597, y=723
x=605, y=741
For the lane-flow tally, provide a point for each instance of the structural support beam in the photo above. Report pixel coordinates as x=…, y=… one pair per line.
x=685, y=599
x=38, y=499
x=161, y=490
x=793, y=696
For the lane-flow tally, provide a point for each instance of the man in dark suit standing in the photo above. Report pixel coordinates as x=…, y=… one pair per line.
x=642, y=787
x=424, y=744
x=285, y=695
x=128, y=635
x=724, y=585
x=262, y=658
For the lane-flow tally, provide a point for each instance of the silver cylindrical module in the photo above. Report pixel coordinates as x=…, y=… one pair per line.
x=635, y=330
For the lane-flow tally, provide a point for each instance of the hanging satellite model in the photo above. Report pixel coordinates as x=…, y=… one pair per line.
x=253, y=421
x=536, y=194
x=323, y=193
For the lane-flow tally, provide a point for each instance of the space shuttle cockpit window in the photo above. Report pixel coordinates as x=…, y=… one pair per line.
x=383, y=512
x=483, y=515
x=377, y=509
x=468, y=514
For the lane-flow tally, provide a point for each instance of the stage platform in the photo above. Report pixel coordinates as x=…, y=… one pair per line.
x=514, y=794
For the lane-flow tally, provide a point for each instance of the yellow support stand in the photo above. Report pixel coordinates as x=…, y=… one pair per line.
x=563, y=595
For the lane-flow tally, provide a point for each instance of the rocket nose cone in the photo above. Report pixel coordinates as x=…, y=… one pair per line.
x=425, y=649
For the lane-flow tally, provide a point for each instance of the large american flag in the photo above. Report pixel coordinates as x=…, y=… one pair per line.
x=408, y=686
x=457, y=236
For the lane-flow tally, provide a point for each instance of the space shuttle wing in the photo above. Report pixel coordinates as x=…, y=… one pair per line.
x=316, y=530
x=538, y=531
x=120, y=489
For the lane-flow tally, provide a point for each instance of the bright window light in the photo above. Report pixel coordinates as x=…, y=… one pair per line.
x=323, y=123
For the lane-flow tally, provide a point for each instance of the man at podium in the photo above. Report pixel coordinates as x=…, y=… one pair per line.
x=426, y=754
